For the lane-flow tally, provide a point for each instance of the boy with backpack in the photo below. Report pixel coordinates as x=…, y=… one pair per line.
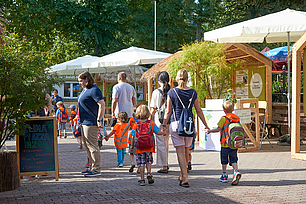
x=143, y=141
x=62, y=118
x=229, y=153
x=72, y=115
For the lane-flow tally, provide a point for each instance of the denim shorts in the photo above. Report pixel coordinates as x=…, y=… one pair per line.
x=226, y=153
x=61, y=126
x=144, y=158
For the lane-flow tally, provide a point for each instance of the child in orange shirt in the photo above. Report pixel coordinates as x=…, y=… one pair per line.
x=77, y=130
x=62, y=118
x=121, y=142
x=72, y=115
x=144, y=152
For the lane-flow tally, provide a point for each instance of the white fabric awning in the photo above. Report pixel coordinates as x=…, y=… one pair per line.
x=272, y=27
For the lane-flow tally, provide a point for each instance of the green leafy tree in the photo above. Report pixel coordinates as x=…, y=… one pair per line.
x=2, y=25
x=202, y=12
x=23, y=84
x=173, y=30
x=93, y=23
x=206, y=63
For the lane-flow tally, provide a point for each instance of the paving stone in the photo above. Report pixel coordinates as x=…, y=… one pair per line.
x=268, y=176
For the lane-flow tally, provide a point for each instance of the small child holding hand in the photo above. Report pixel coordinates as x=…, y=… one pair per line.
x=144, y=156
x=121, y=142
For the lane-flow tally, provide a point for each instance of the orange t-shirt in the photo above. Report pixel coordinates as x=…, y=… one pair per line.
x=133, y=124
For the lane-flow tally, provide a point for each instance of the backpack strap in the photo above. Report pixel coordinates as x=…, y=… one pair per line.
x=161, y=92
x=179, y=98
x=190, y=100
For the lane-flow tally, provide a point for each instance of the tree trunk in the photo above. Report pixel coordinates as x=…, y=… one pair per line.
x=9, y=174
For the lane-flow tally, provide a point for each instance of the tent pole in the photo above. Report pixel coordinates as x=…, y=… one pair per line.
x=289, y=71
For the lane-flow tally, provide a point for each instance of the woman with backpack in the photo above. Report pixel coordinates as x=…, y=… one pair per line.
x=158, y=108
x=181, y=99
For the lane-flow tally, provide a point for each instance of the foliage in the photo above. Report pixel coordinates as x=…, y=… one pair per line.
x=207, y=66
x=93, y=23
x=23, y=82
x=202, y=12
x=173, y=29
x=3, y=21
x=229, y=96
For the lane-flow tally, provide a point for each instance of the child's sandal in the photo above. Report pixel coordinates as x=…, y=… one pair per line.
x=150, y=178
x=142, y=182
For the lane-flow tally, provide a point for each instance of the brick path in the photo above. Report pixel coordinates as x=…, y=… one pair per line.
x=268, y=176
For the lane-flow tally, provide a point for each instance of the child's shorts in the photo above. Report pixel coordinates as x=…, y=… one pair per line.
x=76, y=135
x=226, y=153
x=132, y=152
x=61, y=126
x=144, y=158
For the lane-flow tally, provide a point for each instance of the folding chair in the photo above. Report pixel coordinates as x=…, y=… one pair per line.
x=264, y=133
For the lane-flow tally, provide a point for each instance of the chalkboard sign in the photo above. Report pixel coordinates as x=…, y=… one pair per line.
x=37, y=148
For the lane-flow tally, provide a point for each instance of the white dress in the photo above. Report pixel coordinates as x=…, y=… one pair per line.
x=162, y=142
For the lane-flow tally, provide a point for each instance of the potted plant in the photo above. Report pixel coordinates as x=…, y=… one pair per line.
x=206, y=63
x=23, y=85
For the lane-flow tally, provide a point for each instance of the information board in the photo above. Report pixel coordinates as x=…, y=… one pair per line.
x=37, y=148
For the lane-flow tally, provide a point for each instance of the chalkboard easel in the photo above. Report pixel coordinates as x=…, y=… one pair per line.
x=37, y=149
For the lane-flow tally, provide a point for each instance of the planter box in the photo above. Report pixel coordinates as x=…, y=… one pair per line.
x=9, y=173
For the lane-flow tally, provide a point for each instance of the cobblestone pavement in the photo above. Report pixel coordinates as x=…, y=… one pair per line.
x=268, y=176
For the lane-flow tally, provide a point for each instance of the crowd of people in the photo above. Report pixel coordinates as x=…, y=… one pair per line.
x=144, y=130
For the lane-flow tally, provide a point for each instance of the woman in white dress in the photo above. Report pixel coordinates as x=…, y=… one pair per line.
x=159, y=97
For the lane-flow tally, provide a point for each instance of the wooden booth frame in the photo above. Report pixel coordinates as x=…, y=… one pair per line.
x=298, y=50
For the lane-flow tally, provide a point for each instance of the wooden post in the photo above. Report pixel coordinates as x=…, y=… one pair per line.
x=269, y=93
x=150, y=91
x=104, y=89
x=296, y=92
x=304, y=82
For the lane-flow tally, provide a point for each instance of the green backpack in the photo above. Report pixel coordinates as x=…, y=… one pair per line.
x=236, y=135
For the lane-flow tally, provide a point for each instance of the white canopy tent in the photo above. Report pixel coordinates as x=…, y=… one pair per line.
x=68, y=68
x=127, y=57
x=121, y=60
x=273, y=27
x=284, y=26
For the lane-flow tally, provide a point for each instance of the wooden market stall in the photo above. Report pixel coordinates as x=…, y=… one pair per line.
x=255, y=64
x=106, y=81
x=298, y=50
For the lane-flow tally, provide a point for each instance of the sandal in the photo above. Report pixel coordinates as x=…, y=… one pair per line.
x=132, y=168
x=150, y=178
x=186, y=185
x=142, y=182
x=165, y=171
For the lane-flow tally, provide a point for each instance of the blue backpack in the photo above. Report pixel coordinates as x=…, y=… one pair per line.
x=186, y=123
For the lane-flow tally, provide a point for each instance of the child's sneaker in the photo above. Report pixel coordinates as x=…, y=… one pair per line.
x=189, y=166
x=224, y=178
x=150, y=178
x=132, y=168
x=236, y=178
x=87, y=165
x=120, y=165
x=142, y=182
x=65, y=134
